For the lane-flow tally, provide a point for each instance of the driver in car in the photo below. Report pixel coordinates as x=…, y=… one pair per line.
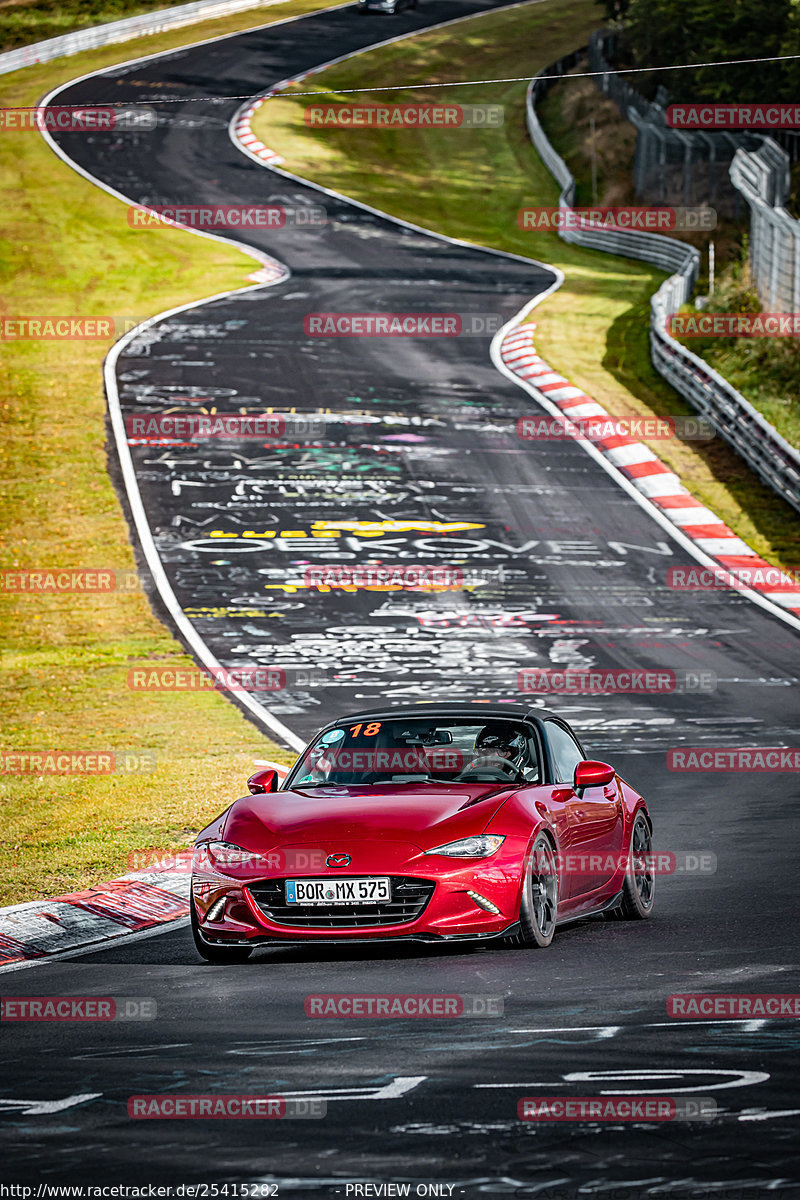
x=498, y=748
x=320, y=764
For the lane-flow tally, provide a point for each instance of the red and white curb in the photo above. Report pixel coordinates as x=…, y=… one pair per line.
x=271, y=272
x=244, y=133
x=645, y=471
x=133, y=903
x=241, y=129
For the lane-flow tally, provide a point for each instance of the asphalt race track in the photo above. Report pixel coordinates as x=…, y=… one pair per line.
x=420, y=463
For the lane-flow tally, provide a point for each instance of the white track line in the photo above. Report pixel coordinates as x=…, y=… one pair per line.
x=192, y=637
x=163, y=586
x=626, y=484
x=259, y=97
x=239, y=127
x=199, y=648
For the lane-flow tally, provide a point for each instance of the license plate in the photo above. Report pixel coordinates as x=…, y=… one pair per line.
x=338, y=891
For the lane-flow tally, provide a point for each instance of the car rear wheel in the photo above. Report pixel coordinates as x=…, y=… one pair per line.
x=539, y=907
x=215, y=954
x=638, y=891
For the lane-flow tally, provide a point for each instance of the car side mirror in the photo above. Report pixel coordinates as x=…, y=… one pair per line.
x=263, y=781
x=590, y=773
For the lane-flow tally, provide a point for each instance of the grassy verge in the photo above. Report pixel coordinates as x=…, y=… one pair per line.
x=471, y=183
x=26, y=21
x=35, y=20
x=765, y=370
x=66, y=249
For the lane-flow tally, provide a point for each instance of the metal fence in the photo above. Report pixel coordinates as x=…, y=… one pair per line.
x=763, y=179
x=671, y=166
x=733, y=417
x=667, y=253
x=122, y=31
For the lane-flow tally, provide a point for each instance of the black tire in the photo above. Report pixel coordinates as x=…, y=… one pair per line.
x=538, y=910
x=638, y=891
x=215, y=954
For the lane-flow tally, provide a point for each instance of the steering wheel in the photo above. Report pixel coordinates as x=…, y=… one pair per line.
x=487, y=774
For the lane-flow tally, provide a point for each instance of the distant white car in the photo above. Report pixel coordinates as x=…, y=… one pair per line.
x=385, y=6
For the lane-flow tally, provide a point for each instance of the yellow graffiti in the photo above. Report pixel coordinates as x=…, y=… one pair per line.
x=363, y=529
x=377, y=528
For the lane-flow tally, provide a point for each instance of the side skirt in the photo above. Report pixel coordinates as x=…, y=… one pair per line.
x=611, y=904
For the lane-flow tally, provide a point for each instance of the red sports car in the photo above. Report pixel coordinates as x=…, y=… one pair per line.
x=429, y=823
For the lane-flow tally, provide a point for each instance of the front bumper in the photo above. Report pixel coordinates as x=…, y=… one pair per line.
x=335, y=940
x=430, y=901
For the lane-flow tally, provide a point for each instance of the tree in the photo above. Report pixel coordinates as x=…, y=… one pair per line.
x=663, y=33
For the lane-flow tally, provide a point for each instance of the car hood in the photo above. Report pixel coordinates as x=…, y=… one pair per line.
x=423, y=814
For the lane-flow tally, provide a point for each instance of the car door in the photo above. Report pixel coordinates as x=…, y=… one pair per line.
x=546, y=799
x=595, y=819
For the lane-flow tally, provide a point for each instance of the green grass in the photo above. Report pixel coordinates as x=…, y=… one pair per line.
x=66, y=249
x=35, y=20
x=26, y=21
x=765, y=370
x=470, y=184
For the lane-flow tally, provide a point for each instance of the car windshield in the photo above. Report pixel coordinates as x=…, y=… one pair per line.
x=449, y=750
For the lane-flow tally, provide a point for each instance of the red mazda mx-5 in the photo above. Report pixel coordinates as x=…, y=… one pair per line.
x=428, y=823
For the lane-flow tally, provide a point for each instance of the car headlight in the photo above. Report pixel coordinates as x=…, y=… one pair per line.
x=480, y=846
x=225, y=854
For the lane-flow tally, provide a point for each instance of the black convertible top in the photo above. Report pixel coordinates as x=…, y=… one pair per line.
x=433, y=708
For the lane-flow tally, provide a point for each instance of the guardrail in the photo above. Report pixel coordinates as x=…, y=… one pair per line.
x=734, y=418
x=122, y=31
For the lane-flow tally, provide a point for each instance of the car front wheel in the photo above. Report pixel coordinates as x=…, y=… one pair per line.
x=215, y=954
x=539, y=907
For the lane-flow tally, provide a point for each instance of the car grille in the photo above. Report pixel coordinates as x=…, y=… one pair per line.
x=409, y=897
